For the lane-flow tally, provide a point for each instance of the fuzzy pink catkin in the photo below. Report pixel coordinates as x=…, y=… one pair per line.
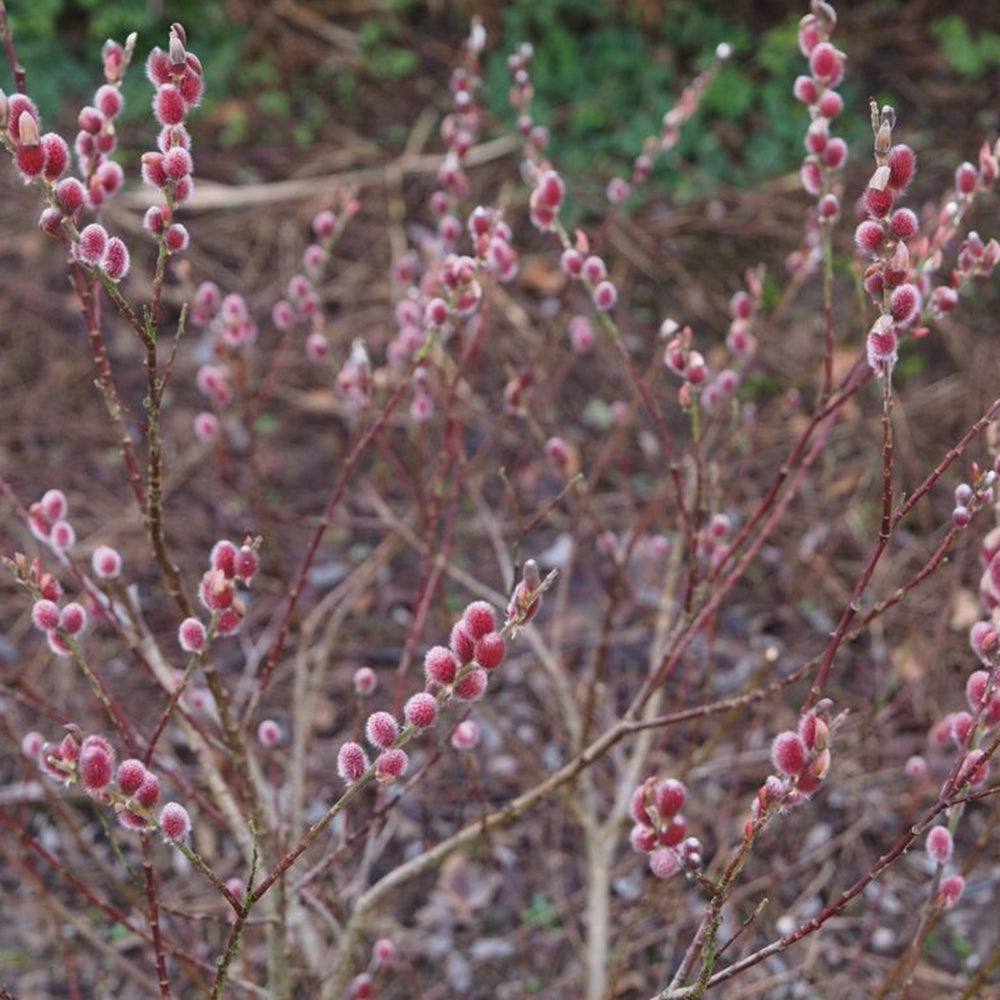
x=663, y=862
x=421, y=710
x=939, y=844
x=479, y=618
x=192, y=635
x=269, y=733
x=352, y=762
x=175, y=823
x=472, y=686
x=131, y=774
x=391, y=764
x=788, y=754
x=381, y=729
x=440, y=665
x=465, y=735
x=106, y=562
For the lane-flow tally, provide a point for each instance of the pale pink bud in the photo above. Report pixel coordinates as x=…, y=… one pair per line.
x=352, y=762
x=903, y=223
x=168, y=105
x=106, y=562
x=618, y=190
x=550, y=189
x=663, y=862
x=390, y=764
x=359, y=988
x=436, y=313
x=131, y=775
x=983, y=640
x=673, y=832
x=175, y=823
x=826, y=64
x=939, y=844
x=62, y=537
x=902, y=162
x=950, y=890
x=966, y=176
x=148, y=793
x=176, y=238
x=31, y=744
x=868, y=236
x=70, y=194
x=269, y=733
x=904, y=304
x=96, y=764
x=479, y=618
x=55, y=154
x=788, y=754
x=881, y=345
x=381, y=729
x=831, y=104
x=489, y=650
x=223, y=557
x=109, y=100
x=605, y=296
x=192, y=635
x=878, y=201
x=642, y=838
x=472, y=686
x=383, y=951
x=206, y=426
x=915, y=766
x=975, y=769
x=581, y=334
x=960, y=727
x=421, y=710
x=57, y=644
x=91, y=244
x=669, y=797
x=115, y=259
x=440, y=665
x=465, y=735
x=45, y=615
x=835, y=154
x=462, y=644
x=73, y=618
x=324, y=224
x=572, y=262
x=975, y=688
x=805, y=90
x=594, y=269
x=365, y=681
x=245, y=563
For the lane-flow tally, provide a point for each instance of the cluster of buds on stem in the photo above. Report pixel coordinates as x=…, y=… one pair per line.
x=975, y=258
x=619, y=188
x=177, y=78
x=302, y=306
x=131, y=789
x=43, y=158
x=801, y=759
x=460, y=671
x=231, y=565
x=660, y=829
x=885, y=236
x=460, y=129
x=825, y=153
x=48, y=519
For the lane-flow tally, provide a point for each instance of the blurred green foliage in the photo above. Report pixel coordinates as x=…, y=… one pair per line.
x=605, y=71
x=970, y=56
x=603, y=81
